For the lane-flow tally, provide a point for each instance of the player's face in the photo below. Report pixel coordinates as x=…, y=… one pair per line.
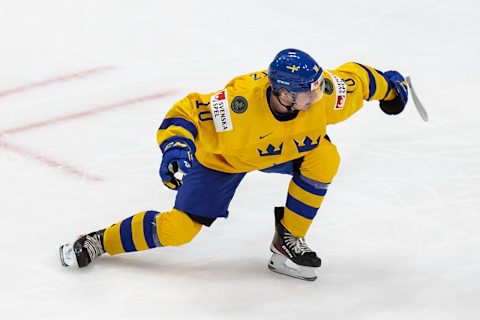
x=304, y=100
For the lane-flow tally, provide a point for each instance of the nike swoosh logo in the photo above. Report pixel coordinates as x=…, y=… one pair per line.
x=261, y=137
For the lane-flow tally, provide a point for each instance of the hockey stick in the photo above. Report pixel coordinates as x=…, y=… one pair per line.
x=421, y=110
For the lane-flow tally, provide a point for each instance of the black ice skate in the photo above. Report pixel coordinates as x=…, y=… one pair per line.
x=83, y=251
x=287, y=247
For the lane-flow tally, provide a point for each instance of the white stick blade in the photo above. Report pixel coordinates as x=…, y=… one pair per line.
x=418, y=104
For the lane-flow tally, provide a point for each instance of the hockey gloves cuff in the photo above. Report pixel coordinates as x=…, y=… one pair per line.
x=176, y=161
x=397, y=81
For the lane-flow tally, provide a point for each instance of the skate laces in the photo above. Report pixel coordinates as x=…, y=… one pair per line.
x=93, y=246
x=298, y=245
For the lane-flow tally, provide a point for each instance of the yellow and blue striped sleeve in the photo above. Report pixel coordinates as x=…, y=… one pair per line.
x=372, y=83
x=363, y=83
x=180, y=121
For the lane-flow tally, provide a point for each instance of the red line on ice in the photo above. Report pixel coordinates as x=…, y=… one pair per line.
x=57, y=164
x=71, y=170
x=68, y=77
x=78, y=115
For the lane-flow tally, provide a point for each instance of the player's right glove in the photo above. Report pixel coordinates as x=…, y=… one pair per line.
x=176, y=161
x=397, y=81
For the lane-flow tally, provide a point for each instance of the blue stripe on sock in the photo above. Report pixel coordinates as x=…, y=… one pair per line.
x=148, y=221
x=301, y=208
x=317, y=188
x=372, y=85
x=126, y=235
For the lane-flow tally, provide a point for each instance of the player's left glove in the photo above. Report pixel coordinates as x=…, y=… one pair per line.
x=176, y=161
x=397, y=81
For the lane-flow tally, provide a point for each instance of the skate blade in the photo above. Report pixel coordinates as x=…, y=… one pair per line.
x=61, y=257
x=67, y=256
x=278, y=264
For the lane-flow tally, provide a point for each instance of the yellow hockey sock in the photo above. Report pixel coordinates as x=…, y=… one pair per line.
x=150, y=229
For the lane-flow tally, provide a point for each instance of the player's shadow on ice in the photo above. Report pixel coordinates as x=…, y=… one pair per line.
x=208, y=267
x=333, y=272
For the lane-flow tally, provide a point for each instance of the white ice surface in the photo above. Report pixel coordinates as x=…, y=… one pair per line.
x=399, y=232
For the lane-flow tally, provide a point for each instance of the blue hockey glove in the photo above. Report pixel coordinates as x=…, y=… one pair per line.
x=176, y=161
x=397, y=81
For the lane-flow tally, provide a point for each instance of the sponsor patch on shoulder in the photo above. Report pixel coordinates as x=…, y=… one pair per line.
x=220, y=111
x=340, y=91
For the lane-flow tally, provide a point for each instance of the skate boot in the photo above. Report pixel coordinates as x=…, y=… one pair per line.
x=287, y=247
x=83, y=251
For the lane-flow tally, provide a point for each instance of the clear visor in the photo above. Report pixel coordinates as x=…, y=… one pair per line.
x=310, y=97
x=317, y=88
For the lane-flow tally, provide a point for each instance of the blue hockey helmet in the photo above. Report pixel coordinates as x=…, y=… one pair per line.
x=295, y=71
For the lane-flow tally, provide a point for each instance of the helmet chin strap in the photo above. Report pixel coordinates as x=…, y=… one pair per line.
x=289, y=107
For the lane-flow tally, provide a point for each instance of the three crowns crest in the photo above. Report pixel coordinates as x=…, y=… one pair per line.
x=307, y=144
x=271, y=150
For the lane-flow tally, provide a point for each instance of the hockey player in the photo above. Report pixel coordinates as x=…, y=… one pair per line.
x=273, y=121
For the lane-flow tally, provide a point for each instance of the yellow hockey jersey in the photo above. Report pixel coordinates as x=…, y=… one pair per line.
x=234, y=129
